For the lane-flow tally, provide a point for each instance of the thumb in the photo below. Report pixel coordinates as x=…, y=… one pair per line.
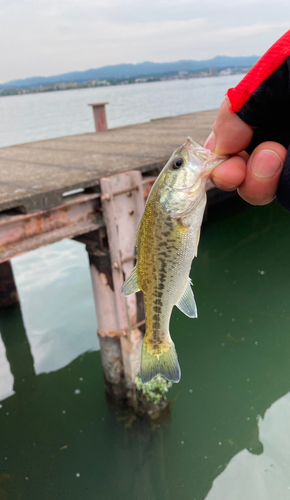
x=230, y=134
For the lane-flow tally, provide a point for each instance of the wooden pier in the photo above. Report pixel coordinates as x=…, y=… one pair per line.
x=92, y=187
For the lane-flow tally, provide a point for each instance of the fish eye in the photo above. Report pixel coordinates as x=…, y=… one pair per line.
x=177, y=163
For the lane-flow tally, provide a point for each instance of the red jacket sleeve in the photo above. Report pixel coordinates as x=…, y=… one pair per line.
x=271, y=61
x=262, y=99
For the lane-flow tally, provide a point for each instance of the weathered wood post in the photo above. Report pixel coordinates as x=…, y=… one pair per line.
x=108, y=327
x=8, y=291
x=20, y=359
x=118, y=325
x=100, y=116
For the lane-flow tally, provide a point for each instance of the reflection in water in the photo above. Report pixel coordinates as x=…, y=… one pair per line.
x=55, y=290
x=265, y=476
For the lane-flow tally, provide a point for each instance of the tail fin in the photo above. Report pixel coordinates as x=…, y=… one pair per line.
x=162, y=361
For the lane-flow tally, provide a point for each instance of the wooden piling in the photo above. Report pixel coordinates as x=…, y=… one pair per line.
x=100, y=117
x=117, y=317
x=123, y=206
x=108, y=327
x=8, y=291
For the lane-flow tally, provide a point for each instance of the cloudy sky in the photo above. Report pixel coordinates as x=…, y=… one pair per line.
x=48, y=37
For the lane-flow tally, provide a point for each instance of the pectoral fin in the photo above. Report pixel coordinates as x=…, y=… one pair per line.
x=186, y=303
x=130, y=286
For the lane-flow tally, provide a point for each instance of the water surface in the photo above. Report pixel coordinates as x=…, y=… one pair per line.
x=227, y=437
x=33, y=117
x=228, y=433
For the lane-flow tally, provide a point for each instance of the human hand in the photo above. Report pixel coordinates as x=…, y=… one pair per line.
x=256, y=177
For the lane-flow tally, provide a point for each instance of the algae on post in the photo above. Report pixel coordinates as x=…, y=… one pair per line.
x=154, y=391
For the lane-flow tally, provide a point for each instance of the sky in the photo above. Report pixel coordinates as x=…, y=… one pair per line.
x=49, y=37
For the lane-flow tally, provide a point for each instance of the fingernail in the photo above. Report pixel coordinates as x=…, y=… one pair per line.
x=210, y=142
x=266, y=164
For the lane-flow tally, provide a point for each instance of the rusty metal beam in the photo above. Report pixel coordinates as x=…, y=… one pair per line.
x=20, y=233
x=77, y=215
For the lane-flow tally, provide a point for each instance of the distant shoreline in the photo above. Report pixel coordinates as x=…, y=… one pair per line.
x=181, y=75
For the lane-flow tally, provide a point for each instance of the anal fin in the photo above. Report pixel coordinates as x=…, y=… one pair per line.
x=186, y=303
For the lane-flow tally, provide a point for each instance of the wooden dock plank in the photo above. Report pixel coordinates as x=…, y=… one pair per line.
x=38, y=173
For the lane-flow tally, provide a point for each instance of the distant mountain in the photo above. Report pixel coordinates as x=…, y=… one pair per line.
x=136, y=70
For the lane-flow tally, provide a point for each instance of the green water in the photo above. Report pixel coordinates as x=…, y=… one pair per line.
x=228, y=434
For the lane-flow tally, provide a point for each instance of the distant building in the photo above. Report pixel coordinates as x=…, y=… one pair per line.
x=213, y=72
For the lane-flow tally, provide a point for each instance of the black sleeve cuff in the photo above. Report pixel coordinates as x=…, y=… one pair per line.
x=283, y=193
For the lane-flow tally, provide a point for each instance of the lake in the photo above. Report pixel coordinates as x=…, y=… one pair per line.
x=227, y=437
x=34, y=117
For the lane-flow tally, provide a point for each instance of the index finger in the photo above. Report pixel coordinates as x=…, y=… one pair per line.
x=230, y=134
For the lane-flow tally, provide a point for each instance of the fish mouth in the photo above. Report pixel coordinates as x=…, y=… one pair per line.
x=210, y=159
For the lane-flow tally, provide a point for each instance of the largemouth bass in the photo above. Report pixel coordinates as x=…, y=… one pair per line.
x=167, y=241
